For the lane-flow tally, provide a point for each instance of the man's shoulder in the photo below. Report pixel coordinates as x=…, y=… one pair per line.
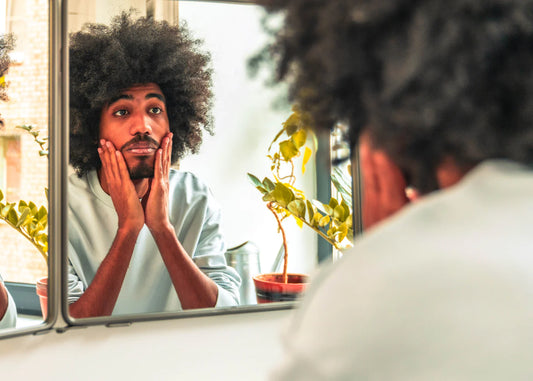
x=186, y=181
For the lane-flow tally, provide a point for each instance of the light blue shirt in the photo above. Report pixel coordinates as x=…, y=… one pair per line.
x=147, y=287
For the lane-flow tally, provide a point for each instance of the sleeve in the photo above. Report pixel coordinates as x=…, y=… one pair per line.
x=9, y=320
x=209, y=257
x=74, y=284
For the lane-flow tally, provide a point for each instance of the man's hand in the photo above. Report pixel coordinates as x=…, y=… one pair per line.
x=155, y=202
x=121, y=188
x=383, y=184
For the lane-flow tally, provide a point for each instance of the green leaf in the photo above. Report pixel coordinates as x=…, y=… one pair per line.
x=255, y=180
x=5, y=210
x=338, y=213
x=310, y=209
x=1, y=195
x=268, y=184
x=333, y=202
x=292, y=123
x=328, y=209
x=42, y=213
x=22, y=217
x=282, y=194
x=288, y=150
x=12, y=216
x=299, y=138
x=297, y=207
x=324, y=221
x=347, y=209
x=22, y=205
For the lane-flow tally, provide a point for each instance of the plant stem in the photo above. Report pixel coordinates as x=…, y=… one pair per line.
x=286, y=254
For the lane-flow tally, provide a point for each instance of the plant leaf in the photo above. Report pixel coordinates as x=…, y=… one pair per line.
x=268, y=184
x=297, y=207
x=307, y=155
x=288, y=150
x=282, y=194
x=299, y=138
x=12, y=216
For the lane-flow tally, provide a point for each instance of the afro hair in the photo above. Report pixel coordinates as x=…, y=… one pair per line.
x=105, y=60
x=428, y=79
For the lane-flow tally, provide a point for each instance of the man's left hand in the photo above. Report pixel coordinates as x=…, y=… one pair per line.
x=155, y=202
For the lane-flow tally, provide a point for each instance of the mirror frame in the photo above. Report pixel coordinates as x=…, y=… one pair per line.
x=54, y=177
x=62, y=163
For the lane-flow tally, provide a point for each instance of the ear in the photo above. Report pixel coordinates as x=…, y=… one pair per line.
x=412, y=193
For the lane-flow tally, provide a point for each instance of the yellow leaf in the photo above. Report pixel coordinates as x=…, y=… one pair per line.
x=307, y=155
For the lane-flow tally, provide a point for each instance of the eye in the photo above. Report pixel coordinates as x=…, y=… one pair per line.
x=155, y=110
x=121, y=112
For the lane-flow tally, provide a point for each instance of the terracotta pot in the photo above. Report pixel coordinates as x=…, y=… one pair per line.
x=42, y=290
x=270, y=287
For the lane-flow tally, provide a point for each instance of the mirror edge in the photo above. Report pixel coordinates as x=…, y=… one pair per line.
x=60, y=239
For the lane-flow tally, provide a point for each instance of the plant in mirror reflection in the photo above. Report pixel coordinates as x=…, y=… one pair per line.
x=26, y=217
x=332, y=221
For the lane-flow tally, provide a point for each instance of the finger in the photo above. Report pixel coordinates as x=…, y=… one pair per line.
x=113, y=164
x=104, y=158
x=122, y=166
x=168, y=154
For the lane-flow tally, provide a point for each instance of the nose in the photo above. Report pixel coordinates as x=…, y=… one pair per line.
x=141, y=124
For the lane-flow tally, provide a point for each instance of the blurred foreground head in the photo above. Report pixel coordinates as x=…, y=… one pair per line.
x=429, y=80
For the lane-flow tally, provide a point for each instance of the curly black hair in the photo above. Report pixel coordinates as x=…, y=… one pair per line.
x=105, y=60
x=429, y=79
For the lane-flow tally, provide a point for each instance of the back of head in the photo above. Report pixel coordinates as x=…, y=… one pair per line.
x=106, y=60
x=428, y=79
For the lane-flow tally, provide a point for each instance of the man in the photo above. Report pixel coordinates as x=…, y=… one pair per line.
x=8, y=310
x=142, y=237
x=438, y=96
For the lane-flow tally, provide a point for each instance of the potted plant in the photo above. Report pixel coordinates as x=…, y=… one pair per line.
x=30, y=220
x=332, y=221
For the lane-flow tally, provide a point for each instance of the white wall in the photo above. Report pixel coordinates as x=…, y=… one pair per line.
x=227, y=347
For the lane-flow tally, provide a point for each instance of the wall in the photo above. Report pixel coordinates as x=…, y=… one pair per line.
x=228, y=347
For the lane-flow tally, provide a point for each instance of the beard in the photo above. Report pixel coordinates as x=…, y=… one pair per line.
x=143, y=170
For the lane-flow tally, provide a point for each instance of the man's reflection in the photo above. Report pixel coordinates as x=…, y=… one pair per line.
x=8, y=309
x=142, y=237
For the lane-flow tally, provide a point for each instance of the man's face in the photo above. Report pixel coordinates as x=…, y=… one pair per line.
x=136, y=122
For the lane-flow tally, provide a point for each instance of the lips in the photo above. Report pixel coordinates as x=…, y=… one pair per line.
x=141, y=145
x=141, y=148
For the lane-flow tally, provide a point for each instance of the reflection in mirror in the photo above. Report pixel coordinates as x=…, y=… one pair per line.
x=217, y=216
x=23, y=162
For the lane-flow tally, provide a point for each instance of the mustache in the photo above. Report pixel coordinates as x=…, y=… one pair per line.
x=140, y=139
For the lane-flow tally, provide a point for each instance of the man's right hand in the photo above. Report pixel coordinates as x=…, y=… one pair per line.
x=120, y=188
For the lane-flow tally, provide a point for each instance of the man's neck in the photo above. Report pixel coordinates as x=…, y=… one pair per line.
x=141, y=185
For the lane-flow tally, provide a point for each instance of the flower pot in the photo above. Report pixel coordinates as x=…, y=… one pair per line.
x=42, y=290
x=270, y=287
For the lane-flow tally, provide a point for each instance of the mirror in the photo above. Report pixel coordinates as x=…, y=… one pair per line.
x=24, y=109
x=245, y=123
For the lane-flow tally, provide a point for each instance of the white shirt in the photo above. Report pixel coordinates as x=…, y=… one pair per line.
x=443, y=290
x=147, y=287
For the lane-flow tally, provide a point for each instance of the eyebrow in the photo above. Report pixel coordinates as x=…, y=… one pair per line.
x=129, y=97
